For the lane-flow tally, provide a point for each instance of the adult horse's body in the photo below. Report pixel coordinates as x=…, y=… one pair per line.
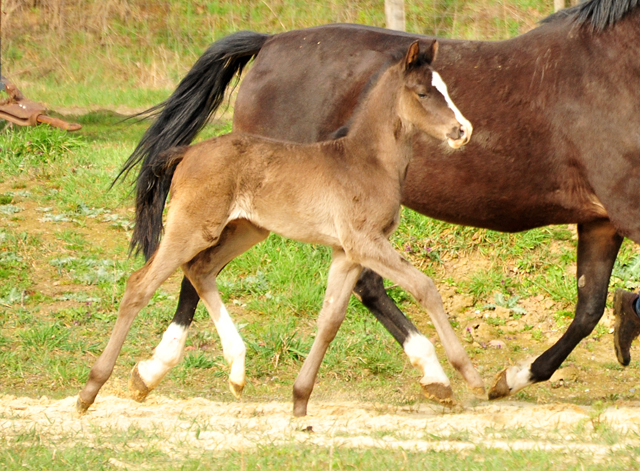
x=557, y=135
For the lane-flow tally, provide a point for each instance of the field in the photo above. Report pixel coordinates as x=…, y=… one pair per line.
x=64, y=261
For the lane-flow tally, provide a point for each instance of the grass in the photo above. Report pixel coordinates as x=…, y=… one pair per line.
x=64, y=235
x=139, y=50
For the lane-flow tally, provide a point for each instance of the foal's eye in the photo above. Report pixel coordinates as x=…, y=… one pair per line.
x=422, y=95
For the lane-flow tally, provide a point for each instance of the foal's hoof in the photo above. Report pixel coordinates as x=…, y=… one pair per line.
x=137, y=389
x=439, y=392
x=236, y=389
x=82, y=406
x=500, y=388
x=299, y=408
x=480, y=392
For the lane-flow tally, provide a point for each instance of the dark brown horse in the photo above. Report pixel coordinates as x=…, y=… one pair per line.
x=229, y=192
x=557, y=136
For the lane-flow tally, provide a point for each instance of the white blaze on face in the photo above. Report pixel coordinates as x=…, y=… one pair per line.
x=166, y=355
x=422, y=355
x=437, y=82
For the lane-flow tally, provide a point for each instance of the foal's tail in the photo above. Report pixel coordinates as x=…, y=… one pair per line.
x=179, y=119
x=148, y=228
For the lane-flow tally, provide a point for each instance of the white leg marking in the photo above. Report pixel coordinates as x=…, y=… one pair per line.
x=233, y=346
x=436, y=81
x=422, y=355
x=166, y=355
x=519, y=377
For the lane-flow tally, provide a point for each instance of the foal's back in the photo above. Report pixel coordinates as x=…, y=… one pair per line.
x=313, y=193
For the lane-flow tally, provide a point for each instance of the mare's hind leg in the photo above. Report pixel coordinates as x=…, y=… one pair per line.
x=343, y=275
x=381, y=257
x=237, y=237
x=177, y=248
x=598, y=245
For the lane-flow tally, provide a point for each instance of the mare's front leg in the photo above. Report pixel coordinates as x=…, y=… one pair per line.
x=343, y=275
x=381, y=257
x=598, y=245
x=236, y=238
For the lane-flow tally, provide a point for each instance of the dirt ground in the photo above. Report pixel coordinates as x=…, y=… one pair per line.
x=207, y=425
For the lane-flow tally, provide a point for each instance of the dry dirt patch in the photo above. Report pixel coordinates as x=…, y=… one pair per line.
x=177, y=426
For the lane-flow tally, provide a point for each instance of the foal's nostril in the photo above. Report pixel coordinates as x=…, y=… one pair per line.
x=456, y=133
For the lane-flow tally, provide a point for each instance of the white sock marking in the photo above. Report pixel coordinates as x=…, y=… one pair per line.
x=436, y=81
x=422, y=355
x=233, y=346
x=166, y=355
x=519, y=377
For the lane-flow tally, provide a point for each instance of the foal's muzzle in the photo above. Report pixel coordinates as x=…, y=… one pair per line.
x=459, y=135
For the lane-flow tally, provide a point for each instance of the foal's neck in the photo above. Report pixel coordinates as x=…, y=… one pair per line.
x=377, y=128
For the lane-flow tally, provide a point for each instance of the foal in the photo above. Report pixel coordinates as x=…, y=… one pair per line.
x=228, y=193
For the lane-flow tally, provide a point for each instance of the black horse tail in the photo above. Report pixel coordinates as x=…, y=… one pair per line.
x=179, y=119
x=148, y=228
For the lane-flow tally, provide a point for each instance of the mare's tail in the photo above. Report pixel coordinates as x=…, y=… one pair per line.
x=148, y=228
x=179, y=119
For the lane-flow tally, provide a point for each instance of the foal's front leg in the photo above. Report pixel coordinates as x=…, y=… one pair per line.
x=343, y=275
x=381, y=257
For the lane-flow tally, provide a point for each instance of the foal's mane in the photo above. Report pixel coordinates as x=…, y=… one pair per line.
x=599, y=14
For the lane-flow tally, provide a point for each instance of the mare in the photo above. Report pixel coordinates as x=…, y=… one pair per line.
x=229, y=192
x=556, y=139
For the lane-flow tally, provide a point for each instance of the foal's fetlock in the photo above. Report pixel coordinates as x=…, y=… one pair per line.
x=137, y=387
x=438, y=392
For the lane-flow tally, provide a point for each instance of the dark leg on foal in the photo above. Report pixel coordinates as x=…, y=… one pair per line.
x=598, y=245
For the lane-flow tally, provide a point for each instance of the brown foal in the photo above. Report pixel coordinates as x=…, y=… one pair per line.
x=228, y=193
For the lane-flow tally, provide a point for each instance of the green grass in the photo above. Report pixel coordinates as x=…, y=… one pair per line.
x=139, y=50
x=64, y=235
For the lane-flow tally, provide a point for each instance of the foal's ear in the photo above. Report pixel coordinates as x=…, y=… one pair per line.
x=431, y=52
x=411, y=59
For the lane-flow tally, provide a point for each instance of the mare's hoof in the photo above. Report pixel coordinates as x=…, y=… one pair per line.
x=500, y=388
x=236, y=389
x=627, y=326
x=438, y=392
x=82, y=406
x=137, y=389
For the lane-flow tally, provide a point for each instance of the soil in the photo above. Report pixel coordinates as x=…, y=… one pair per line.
x=177, y=426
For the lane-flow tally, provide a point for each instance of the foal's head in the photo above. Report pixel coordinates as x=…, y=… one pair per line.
x=425, y=102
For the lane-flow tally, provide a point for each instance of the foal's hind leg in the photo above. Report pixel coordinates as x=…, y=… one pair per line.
x=202, y=272
x=174, y=250
x=237, y=237
x=381, y=257
x=343, y=275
